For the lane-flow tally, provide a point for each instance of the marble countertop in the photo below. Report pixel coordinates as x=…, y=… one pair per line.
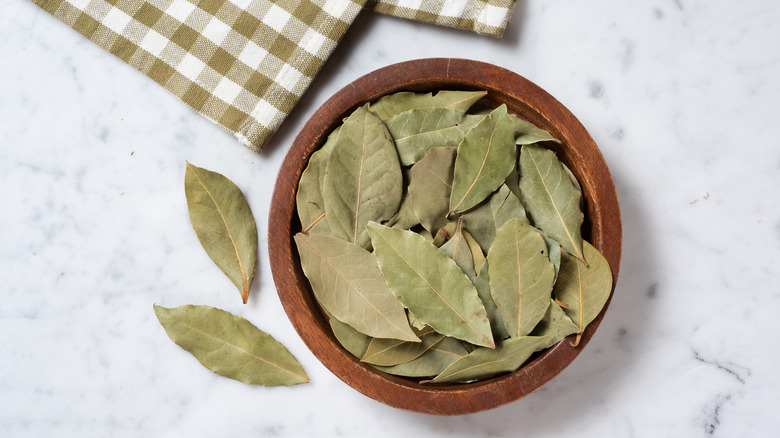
x=682, y=97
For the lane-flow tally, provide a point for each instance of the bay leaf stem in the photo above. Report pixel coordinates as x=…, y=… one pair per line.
x=314, y=222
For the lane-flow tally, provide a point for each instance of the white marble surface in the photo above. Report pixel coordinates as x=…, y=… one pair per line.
x=682, y=97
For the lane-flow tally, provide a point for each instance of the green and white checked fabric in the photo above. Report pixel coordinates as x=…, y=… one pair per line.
x=488, y=17
x=244, y=64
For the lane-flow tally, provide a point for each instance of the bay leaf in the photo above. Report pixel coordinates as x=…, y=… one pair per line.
x=363, y=180
x=555, y=325
x=405, y=218
x=584, y=289
x=440, y=238
x=430, y=363
x=476, y=251
x=425, y=235
x=231, y=346
x=224, y=224
x=528, y=133
x=550, y=198
x=508, y=356
x=347, y=282
x=430, y=285
x=512, y=181
x=484, y=159
x=484, y=220
x=430, y=186
x=521, y=276
x=472, y=120
x=397, y=103
x=450, y=228
x=458, y=250
x=444, y=234
x=308, y=200
x=482, y=283
x=414, y=322
x=389, y=352
x=468, y=346
x=571, y=177
x=553, y=253
x=576, y=184
x=525, y=132
x=417, y=131
x=352, y=340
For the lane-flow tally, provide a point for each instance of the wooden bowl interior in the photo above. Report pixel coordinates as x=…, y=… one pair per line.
x=577, y=150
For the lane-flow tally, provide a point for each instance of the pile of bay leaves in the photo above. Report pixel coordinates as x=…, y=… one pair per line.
x=443, y=241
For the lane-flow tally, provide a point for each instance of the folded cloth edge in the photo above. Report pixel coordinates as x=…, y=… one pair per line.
x=485, y=17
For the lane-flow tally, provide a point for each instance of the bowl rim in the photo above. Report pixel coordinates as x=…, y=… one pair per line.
x=529, y=101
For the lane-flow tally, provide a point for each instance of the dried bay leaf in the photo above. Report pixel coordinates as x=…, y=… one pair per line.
x=347, y=282
x=389, y=352
x=352, y=340
x=224, y=224
x=525, y=132
x=482, y=283
x=512, y=181
x=440, y=238
x=444, y=234
x=458, y=250
x=231, y=346
x=472, y=120
x=484, y=220
x=550, y=198
x=397, y=103
x=430, y=285
x=414, y=322
x=528, y=133
x=556, y=324
x=553, y=253
x=572, y=177
x=405, y=218
x=363, y=180
x=521, y=276
x=576, y=184
x=484, y=159
x=476, y=251
x=416, y=132
x=430, y=186
x=309, y=201
x=508, y=356
x=584, y=289
x=430, y=363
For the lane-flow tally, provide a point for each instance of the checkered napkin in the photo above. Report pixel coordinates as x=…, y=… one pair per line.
x=488, y=17
x=244, y=64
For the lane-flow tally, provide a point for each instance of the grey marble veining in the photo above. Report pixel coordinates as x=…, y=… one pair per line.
x=680, y=95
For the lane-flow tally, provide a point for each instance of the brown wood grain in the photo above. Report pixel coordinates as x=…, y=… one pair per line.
x=578, y=150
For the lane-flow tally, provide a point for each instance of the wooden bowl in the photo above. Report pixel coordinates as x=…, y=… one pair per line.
x=602, y=228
